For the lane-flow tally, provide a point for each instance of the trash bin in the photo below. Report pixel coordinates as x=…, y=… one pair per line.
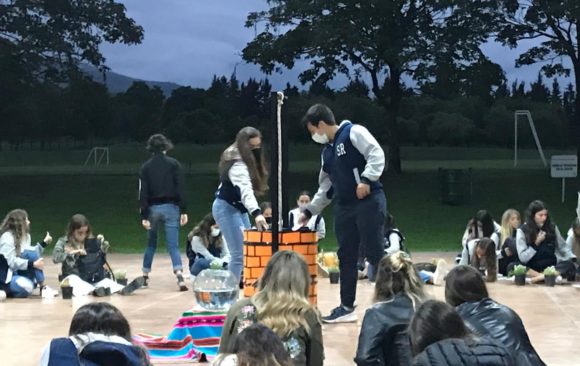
x=456, y=186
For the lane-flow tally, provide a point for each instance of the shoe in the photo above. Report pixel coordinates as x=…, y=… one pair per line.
x=181, y=283
x=145, y=282
x=440, y=272
x=2, y=295
x=101, y=292
x=559, y=280
x=137, y=283
x=48, y=293
x=340, y=315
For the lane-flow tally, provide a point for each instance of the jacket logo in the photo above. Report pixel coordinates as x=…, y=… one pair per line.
x=340, y=150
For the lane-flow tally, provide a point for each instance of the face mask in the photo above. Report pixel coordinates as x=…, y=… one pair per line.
x=215, y=232
x=257, y=154
x=302, y=206
x=269, y=220
x=320, y=138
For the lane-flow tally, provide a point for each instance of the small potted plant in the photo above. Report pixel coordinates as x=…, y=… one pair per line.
x=66, y=289
x=121, y=277
x=520, y=274
x=550, y=276
x=334, y=274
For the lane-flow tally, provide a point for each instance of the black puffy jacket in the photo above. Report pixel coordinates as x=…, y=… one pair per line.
x=502, y=324
x=383, y=338
x=458, y=352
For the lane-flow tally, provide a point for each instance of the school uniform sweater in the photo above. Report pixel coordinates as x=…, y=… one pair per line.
x=8, y=250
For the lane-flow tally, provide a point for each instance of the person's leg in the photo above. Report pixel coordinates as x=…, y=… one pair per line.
x=155, y=220
x=370, y=220
x=347, y=236
x=567, y=270
x=232, y=224
x=199, y=265
x=171, y=219
x=20, y=286
x=36, y=275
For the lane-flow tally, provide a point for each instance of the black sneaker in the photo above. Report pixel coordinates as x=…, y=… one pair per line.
x=181, y=283
x=137, y=283
x=340, y=315
x=145, y=282
x=101, y=292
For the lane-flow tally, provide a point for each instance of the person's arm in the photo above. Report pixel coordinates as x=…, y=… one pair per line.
x=198, y=247
x=395, y=241
x=59, y=253
x=495, y=238
x=8, y=250
x=525, y=251
x=315, y=355
x=323, y=196
x=374, y=155
x=321, y=230
x=370, y=340
x=465, y=237
x=564, y=250
x=465, y=253
x=240, y=177
x=143, y=194
x=179, y=184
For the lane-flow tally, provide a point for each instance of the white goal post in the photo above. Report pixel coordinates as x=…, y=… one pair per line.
x=526, y=113
x=97, y=154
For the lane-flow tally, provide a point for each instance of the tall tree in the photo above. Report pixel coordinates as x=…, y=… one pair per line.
x=385, y=39
x=556, y=94
x=538, y=91
x=49, y=38
x=555, y=24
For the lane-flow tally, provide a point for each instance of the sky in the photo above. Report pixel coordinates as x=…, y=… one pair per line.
x=189, y=41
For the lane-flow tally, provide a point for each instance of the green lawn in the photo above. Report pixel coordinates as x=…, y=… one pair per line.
x=53, y=186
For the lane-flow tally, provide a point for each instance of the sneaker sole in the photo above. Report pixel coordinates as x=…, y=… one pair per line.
x=348, y=318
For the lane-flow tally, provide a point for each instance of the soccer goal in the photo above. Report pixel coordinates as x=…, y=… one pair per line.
x=528, y=115
x=97, y=155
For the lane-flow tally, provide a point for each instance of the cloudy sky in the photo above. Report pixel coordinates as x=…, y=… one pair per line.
x=188, y=41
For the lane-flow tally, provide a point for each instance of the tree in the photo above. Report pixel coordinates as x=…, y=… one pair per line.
x=49, y=38
x=538, y=91
x=555, y=24
x=385, y=39
x=556, y=94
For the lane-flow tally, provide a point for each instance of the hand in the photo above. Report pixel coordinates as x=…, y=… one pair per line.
x=540, y=238
x=101, y=238
x=303, y=219
x=508, y=252
x=146, y=224
x=362, y=190
x=81, y=252
x=38, y=264
x=47, y=238
x=261, y=223
x=183, y=219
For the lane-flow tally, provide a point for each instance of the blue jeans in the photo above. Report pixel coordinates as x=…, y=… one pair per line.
x=35, y=275
x=232, y=223
x=20, y=286
x=167, y=214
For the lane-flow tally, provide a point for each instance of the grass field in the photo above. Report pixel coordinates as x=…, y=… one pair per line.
x=52, y=186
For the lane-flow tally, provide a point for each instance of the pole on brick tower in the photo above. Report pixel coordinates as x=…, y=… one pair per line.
x=278, y=170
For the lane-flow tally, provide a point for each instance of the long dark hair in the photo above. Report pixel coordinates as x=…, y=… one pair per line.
x=15, y=223
x=435, y=321
x=258, y=345
x=464, y=284
x=397, y=275
x=489, y=260
x=531, y=229
x=256, y=167
x=203, y=231
x=76, y=222
x=484, y=218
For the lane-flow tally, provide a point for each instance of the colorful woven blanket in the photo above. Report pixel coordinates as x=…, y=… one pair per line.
x=195, y=336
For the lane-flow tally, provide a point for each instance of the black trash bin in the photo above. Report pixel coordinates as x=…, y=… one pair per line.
x=455, y=186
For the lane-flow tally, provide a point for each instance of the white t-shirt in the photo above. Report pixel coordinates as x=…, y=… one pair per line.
x=320, y=229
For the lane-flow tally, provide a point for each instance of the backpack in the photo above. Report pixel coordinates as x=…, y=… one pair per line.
x=387, y=243
x=91, y=266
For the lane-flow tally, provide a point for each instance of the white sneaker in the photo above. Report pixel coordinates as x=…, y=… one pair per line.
x=559, y=280
x=2, y=295
x=440, y=272
x=48, y=293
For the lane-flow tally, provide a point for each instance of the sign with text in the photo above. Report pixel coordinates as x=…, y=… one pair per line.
x=564, y=166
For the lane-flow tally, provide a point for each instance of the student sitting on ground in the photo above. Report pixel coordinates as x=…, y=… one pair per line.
x=383, y=338
x=316, y=222
x=480, y=254
x=99, y=335
x=573, y=243
x=25, y=273
x=439, y=337
x=466, y=291
x=83, y=258
x=480, y=226
x=281, y=304
x=510, y=222
x=540, y=245
x=256, y=345
x=206, y=245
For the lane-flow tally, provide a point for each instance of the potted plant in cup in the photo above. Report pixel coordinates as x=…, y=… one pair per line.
x=520, y=274
x=550, y=276
x=66, y=289
x=121, y=277
x=334, y=274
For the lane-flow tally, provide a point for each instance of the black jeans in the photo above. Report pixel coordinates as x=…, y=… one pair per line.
x=359, y=223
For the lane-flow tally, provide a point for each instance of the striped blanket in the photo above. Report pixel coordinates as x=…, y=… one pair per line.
x=195, y=337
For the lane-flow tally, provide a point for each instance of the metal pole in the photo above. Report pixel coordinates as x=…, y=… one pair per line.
x=563, y=189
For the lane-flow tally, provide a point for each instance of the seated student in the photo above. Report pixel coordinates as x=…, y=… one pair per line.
x=266, y=208
x=466, y=291
x=573, y=243
x=257, y=345
x=3, y=278
x=383, y=338
x=206, y=245
x=83, y=260
x=480, y=254
x=281, y=303
x=432, y=274
x=540, y=245
x=316, y=222
x=510, y=222
x=439, y=337
x=100, y=335
x=25, y=264
x=480, y=226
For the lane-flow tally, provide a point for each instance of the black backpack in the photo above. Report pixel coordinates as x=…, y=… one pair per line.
x=91, y=266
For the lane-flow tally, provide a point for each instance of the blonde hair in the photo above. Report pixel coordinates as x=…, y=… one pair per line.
x=397, y=275
x=282, y=298
x=506, y=229
x=15, y=223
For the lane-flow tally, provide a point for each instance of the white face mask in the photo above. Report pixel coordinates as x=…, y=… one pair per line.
x=302, y=206
x=215, y=232
x=320, y=138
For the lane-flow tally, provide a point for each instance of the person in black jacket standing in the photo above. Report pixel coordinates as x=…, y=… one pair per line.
x=162, y=202
x=465, y=290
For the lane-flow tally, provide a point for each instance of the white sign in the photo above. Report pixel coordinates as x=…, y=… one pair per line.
x=564, y=166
